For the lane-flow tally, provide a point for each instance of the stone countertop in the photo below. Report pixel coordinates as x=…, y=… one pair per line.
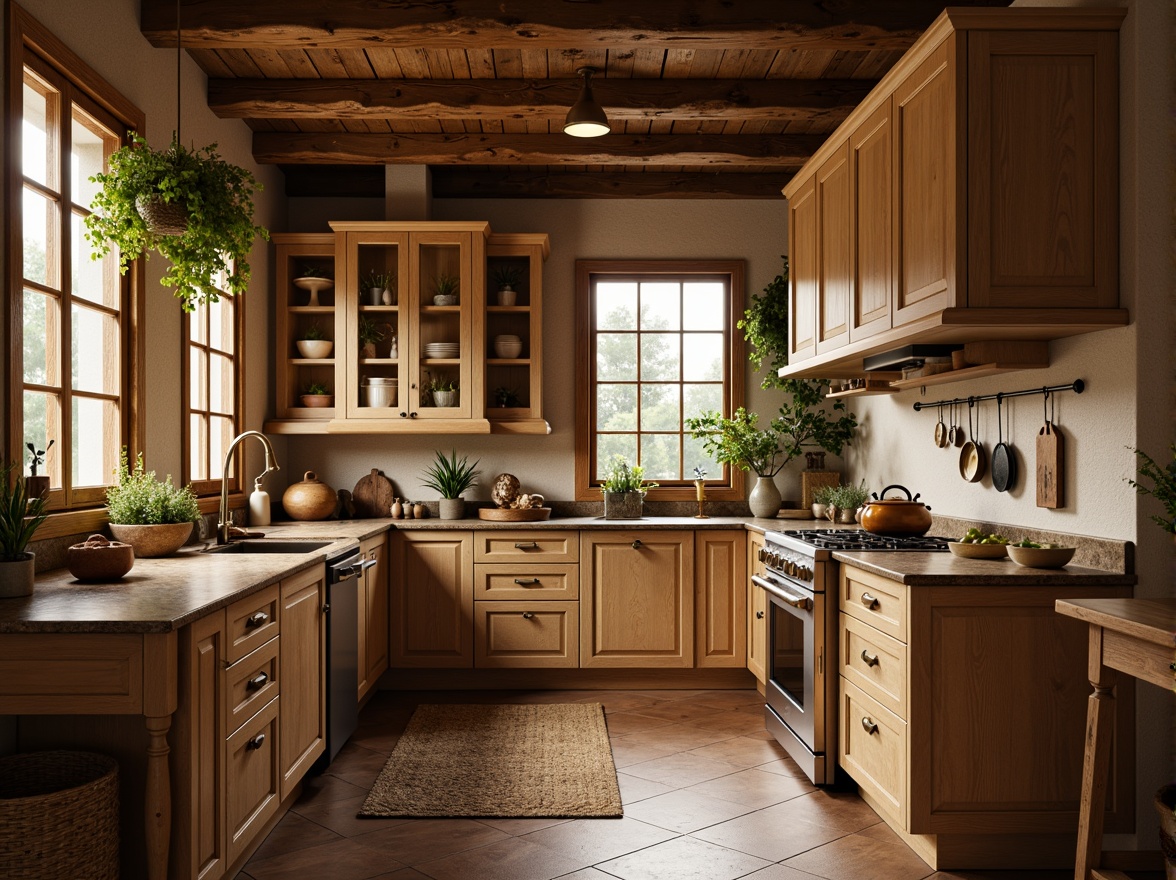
x=937, y=569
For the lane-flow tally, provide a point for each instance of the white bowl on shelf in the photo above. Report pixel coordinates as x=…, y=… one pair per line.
x=507, y=346
x=315, y=348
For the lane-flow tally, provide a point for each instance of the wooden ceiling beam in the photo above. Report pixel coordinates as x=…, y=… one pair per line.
x=542, y=24
x=327, y=148
x=826, y=100
x=467, y=183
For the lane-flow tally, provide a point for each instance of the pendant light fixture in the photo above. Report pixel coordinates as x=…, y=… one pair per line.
x=586, y=118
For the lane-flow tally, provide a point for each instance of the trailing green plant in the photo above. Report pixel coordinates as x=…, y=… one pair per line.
x=738, y=442
x=217, y=198
x=369, y=331
x=377, y=279
x=506, y=275
x=1163, y=486
x=20, y=515
x=765, y=327
x=848, y=497
x=137, y=498
x=318, y=389
x=314, y=332
x=450, y=477
x=623, y=477
x=445, y=284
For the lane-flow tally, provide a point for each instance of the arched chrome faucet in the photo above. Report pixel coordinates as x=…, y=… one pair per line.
x=225, y=523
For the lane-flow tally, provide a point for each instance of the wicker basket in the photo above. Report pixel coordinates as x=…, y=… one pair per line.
x=162, y=218
x=59, y=816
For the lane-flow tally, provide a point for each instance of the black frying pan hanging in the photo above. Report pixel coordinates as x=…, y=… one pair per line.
x=1004, y=460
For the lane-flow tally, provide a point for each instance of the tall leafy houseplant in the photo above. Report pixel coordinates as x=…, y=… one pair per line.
x=20, y=515
x=153, y=516
x=215, y=201
x=1163, y=486
x=451, y=479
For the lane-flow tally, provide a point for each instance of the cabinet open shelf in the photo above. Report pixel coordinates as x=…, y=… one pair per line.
x=872, y=386
x=975, y=372
x=379, y=360
x=386, y=309
x=508, y=310
x=311, y=310
x=509, y=362
x=312, y=362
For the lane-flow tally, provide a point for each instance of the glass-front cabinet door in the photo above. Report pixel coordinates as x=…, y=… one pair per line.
x=441, y=374
x=375, y=324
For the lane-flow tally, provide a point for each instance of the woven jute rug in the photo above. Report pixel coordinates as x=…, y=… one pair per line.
x=534, y=761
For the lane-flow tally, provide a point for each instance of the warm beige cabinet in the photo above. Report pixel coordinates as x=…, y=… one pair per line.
x=962, y=712
x=432, y=599
x=720, y=598
x=372, y=649
x=757, y=612
x=637, y=599
x=250, y=721
x=972, y=197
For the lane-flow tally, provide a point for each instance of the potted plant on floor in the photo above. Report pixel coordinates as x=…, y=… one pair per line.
x=155, y=517
x=314, y=342
x=189, y=206
x=624, y=489
x=316, y=394
x=20, y=515
x=451, y=479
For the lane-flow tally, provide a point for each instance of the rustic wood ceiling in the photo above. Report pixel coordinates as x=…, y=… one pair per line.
x=707, y=98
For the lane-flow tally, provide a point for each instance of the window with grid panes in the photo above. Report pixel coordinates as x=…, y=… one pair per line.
x=213, y=332
x=658, y=345
x=74, y=376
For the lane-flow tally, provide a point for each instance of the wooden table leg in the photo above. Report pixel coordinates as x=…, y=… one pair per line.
x=157, y=814
x=1100, y=719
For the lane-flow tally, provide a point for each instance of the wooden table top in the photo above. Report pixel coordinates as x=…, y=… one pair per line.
x=1149, y=620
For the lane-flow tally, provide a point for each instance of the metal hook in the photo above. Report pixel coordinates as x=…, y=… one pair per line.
x=1044, y=399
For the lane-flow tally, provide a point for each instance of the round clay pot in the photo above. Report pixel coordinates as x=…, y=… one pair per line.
x=310, y=499
x=98, y=559
x=161, y=539
x=452, y=508
x=16, y=577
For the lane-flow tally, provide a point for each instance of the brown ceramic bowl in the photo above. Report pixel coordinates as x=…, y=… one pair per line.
x=98, y=559
x=1051, y=556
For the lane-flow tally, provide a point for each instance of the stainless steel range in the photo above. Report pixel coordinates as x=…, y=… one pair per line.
x=800, y=580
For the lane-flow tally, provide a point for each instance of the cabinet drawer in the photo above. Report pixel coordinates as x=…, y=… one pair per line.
x=527, y=582
x=872, y=747
x=533, y=546
x=250, y=683
x=874, y=662
x=877, y=601
x=251, y=622
x=252, y=778
x=522, y=634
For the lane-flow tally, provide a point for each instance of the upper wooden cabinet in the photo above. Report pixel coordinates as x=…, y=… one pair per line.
x=972, y=197
x=421, y=291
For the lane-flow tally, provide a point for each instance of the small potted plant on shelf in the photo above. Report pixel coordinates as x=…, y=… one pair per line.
x=442, y=389
x=624, y=489
x=20, y=515
x=378, y=284
x=36, y=486
x=314, y=342
x=505, y=397
x=821, y=500
x=369, y=334
x=190, y=206
x=317, y=394
x=445, y=289
x=451, y=478
x=507, y=278
x=315, y=279
x=155, y=517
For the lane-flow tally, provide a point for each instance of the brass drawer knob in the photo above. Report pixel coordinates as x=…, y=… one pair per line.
x=869, y=601
x=869, y=725
x=868, y=658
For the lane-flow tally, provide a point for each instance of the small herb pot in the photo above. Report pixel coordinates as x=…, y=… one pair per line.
x=623, y=505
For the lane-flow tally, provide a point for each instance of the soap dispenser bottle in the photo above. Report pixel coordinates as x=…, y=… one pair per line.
x=259, y=505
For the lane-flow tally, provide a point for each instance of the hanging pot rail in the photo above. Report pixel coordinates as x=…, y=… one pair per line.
x=1077, y=386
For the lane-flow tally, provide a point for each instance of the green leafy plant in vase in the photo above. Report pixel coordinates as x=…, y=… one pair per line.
x=739, y=442
x=154, y=516
x=379, y=286
x=189, y=206
x=451, y=479
x=20, y=516
x=624, y=487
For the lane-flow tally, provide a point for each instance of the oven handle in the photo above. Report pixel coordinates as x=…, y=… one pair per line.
x=783, y=595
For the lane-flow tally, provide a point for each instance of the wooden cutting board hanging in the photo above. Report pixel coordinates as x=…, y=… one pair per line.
x=372, y=495
x=1051, y=452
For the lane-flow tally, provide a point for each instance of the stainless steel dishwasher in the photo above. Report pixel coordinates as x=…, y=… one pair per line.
x=344, y=571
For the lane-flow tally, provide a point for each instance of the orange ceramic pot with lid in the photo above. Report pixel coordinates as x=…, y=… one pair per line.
x=311, y=499
x=897, y=517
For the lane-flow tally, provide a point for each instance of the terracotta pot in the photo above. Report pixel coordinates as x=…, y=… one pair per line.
x=16, y=577
x=98, y=559
x=161, y=539
x=310, y=499
x=894, y=516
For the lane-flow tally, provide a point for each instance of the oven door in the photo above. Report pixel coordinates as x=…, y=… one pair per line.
x=795, y=686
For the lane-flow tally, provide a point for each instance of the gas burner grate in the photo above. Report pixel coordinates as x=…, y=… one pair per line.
x=850, y=539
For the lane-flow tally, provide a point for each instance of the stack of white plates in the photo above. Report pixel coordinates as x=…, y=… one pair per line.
x=442, y=349
x=507, y=346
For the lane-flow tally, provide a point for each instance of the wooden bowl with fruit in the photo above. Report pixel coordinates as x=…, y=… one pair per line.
x=976, y=544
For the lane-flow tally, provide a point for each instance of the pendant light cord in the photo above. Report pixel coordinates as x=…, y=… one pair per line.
x=179, y=42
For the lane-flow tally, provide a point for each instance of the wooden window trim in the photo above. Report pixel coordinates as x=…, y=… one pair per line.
x=731, y=486
x=29, y=42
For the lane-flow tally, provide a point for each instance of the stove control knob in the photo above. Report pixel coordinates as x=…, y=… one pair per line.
x=763, y=555
x=806, y=574
x=774, y=560
x=790, y=567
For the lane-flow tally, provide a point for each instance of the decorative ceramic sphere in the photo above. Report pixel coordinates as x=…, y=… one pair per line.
x=505, y=490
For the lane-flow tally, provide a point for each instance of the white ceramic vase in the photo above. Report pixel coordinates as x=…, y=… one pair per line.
x=765, y=498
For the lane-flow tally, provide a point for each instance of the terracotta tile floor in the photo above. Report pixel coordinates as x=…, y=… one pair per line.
x=708, y=795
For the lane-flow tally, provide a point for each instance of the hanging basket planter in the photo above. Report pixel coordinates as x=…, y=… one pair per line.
x=162, y=218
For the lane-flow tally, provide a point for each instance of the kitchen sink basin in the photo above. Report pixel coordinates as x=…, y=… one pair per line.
x=269, y=546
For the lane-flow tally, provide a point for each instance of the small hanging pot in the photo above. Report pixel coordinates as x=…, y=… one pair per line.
x=162, y=218
x=1004, y=460
x=972, y=455
x=940, y=430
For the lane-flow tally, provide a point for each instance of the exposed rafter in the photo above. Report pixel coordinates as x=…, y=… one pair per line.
x=695, y=99
x=768, y=151
x=538, y=24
